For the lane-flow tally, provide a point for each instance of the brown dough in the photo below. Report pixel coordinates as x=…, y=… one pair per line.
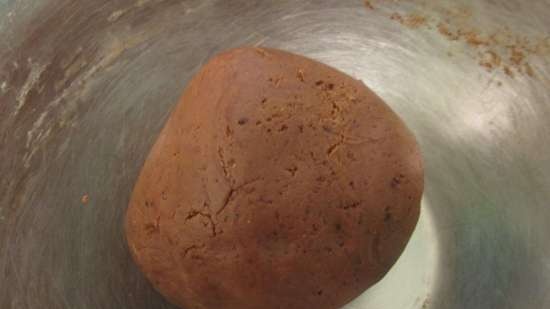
x=278, y=182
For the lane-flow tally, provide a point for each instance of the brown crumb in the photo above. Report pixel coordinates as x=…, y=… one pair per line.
x=508, y=71
x=516, y=56
x=444, y=29
x=369, y=5
x=529, y=70
x=85, y=199
x=396, y=17
x=499, y=84
x=490, y=60
x=412, y=21
x=486, y=65
x=472, y=37
x=415, y=21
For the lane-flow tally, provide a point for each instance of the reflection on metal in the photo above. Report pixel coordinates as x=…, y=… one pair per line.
x=85, y=87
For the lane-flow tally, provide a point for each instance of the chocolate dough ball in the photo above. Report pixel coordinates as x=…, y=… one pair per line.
x=277, y=182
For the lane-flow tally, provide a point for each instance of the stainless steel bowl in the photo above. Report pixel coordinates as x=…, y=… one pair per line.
x=85, y=87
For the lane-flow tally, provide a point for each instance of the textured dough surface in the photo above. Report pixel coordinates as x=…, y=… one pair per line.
x=277, y=182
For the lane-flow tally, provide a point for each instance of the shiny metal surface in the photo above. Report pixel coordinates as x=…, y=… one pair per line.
x=85, y=86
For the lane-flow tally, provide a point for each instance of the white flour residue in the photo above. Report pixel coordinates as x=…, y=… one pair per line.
x=116, y=15
x=36, y=125
x=35, y=136
x=76, y=91
x=72, y=66
x=111, y=51
x=121, y=12
x=32, y=80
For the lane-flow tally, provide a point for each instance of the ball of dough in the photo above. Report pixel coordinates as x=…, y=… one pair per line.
x=277, y=182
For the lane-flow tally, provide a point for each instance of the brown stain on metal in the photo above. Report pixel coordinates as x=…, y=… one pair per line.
x=369, y=5
x=500, y=49
x=529, y=70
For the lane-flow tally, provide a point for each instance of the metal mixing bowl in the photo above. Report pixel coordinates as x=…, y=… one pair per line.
x=85, y=87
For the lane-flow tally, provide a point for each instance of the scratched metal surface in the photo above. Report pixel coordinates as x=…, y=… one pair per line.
x=85, y=86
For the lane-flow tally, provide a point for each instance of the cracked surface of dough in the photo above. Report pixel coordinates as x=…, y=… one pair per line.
x=277, y=182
